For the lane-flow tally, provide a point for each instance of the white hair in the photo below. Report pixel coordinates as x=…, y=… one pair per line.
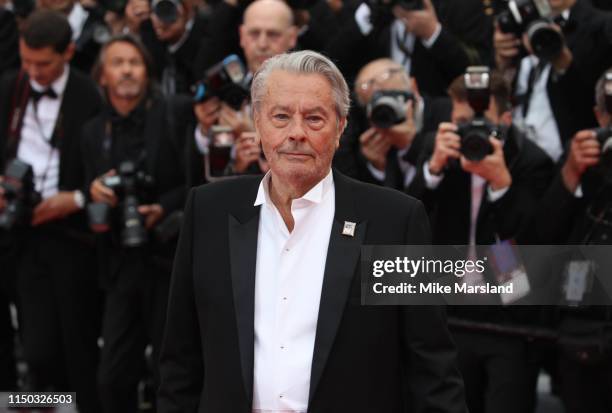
x=303, y=62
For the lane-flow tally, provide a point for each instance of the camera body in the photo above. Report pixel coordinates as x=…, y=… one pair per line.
x=225, y=80
x=20, y=195
x=532, y=17
x=387, y=108
x=475, y=134
x=129, y=185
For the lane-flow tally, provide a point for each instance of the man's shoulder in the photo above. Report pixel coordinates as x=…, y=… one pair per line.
x=230, y=192
x=376, y=199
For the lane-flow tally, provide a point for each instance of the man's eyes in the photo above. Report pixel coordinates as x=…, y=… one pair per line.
x=280, y=116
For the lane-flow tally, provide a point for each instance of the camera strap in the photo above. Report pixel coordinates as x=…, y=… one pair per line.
x=17, y=113
x=535, y=72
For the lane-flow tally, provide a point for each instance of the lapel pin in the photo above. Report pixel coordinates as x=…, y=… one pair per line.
x=349, y=229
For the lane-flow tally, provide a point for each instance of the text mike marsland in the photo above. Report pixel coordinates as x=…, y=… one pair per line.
x=437, y=288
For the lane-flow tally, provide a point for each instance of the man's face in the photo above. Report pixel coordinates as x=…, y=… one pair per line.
x=298, y=126
x=44, y=65
x=62, y=6
x=170, y=33
x=265, y=34
x=124, y=73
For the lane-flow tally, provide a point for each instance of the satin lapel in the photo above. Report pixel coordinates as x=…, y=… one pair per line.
x=342, y=259
x=243, y=230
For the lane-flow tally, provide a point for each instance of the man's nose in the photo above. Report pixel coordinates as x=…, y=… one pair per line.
x=262, y=41
x=297, y=130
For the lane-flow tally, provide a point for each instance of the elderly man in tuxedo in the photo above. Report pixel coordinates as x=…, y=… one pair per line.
x=264, y=312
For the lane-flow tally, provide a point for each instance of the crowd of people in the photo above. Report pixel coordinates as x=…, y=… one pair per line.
x=111, y=110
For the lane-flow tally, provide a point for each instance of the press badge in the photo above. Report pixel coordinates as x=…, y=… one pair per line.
x=578, y=281
x=509, y=271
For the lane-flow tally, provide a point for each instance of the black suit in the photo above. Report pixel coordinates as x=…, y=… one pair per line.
x=465, y=38
x=350, y=161
x=9, y=41
x=365, y=359
x=88, y=44
x=57, y=291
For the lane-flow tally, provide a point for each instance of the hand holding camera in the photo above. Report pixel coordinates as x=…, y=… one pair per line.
x=248, y=151
x=447, y=146
x=152, y=214
x=584, y=152
x=102, y=193
x=492, y=167
x=507, y=48
x=136, y=12
x=374, y=147
x=207, y=113
x=238, y=120
x=419, y=17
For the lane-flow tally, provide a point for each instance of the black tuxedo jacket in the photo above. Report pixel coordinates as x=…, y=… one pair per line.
x=81, y=102
x=350, y=161
x=465, y=38
x=9, y=41
x=366, y=359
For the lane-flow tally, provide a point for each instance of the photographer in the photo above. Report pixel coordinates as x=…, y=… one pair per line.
x=433, y=40
x=267, y=30
x=481, y=181
x=554, y=66
x=580, y=197
x=173, y=35
x=132, y=162
x=44, y=106
x=383, y=141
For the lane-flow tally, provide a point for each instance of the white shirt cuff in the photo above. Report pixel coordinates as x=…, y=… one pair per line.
x=428, y=43
x=377, y=174
x=201, y=141
x=431, y=181
x=362, y=17
x=495, y=195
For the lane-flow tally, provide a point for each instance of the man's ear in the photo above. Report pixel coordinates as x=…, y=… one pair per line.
x=341, y=127
x=69, y=52
x=293, y=35
x=506, y=118
x=242, y=34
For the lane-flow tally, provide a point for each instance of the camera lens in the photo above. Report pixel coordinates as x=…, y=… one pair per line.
x=383, y=116
x=546, y=42
x=475, y=144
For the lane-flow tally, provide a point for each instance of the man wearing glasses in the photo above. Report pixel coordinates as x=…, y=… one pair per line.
x=384, y=138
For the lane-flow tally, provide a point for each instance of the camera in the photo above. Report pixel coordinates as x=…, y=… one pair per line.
x=130, y=185
x=604, y=134
x=166, y=10
x=532, y=17
x=475, y=134
x=20, y=195
x=387, y=108
x=225, y=80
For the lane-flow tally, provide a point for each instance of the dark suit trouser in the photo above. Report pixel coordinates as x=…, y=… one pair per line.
x=135, y=314
x=498, y=372
x=59, y=316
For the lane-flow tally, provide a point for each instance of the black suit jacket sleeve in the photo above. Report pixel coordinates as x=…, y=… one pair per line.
x=181, y=364
x=9, y=42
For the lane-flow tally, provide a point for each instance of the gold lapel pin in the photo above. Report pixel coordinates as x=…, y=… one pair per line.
x=349, y=229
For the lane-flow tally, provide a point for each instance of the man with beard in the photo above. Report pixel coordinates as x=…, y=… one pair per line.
x=130, y=139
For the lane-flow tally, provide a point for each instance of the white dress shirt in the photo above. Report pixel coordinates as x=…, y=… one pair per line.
x=36, y=133
x=539, y=125
x=288, y=284
x=77, y=18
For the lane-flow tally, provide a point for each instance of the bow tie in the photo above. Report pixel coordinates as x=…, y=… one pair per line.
x=36, y=95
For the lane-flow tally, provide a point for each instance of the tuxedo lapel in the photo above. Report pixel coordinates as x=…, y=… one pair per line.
x=243, y=229
x=342, y=258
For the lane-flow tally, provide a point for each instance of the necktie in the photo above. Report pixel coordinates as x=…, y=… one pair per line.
x=36, y=95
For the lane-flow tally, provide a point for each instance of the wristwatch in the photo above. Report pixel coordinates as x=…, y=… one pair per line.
x=79, y=199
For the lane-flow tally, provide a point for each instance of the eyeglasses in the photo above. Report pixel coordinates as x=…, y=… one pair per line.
x=367, y=85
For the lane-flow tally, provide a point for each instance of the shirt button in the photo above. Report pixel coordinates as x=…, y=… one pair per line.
x=282, y=347
x=286, y=249
x=284, y=298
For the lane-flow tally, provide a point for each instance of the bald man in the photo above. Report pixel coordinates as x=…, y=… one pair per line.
x=387, y=156
x=267, y=30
